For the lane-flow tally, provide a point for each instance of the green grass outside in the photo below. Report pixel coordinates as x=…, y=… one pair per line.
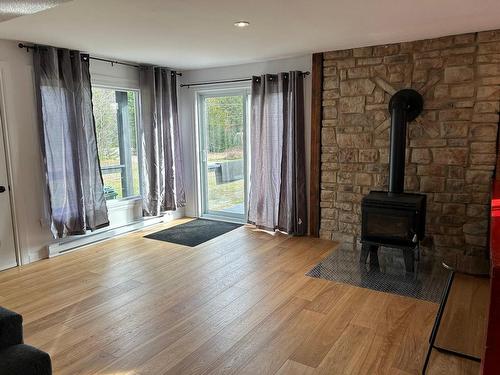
x=224, y=196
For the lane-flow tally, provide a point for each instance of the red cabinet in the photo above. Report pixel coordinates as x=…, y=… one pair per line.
x=491, y=359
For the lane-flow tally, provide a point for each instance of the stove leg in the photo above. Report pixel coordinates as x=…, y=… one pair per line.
x=369, y=250
x=365, y=251
x=417, y=259
x=374, y=255
x=409, y=256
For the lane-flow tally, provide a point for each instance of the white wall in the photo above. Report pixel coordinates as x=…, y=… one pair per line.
x=23, y=137
x=105, y=74
x=187, y=111
x=21, y=124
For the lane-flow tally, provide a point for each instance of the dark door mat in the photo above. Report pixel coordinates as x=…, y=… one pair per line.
x=194, y=232
x=389, y=276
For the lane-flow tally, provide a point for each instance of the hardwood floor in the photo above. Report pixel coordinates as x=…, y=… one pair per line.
x=238, y=304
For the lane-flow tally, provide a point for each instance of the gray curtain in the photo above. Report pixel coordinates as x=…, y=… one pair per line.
x=277, y=197
x=68, y=140
x=163, y=188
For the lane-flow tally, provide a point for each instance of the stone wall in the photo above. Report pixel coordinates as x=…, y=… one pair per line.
x=451, y=150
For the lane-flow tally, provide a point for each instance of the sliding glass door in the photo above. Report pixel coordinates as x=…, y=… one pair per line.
x=222, y=119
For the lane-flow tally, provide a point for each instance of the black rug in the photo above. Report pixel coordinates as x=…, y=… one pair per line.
x=388, y=276
x=194, y=232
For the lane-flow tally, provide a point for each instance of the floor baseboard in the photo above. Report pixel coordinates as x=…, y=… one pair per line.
x=75, y=243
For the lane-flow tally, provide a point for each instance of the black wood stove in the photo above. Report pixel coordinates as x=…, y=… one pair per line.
x=395, y=218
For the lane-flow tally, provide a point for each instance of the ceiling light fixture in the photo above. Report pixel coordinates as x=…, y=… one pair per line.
x=242, y=24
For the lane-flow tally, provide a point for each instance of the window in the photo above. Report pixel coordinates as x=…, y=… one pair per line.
x=115, y=113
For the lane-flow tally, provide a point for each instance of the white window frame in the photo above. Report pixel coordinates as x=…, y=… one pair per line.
x=115, y=203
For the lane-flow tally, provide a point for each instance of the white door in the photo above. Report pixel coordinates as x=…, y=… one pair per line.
x=7, y=244
x=223, y=122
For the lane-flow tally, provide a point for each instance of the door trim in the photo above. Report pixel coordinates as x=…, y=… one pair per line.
x=8, y=162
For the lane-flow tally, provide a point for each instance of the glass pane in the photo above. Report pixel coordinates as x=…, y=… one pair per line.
x=224, y=119
x=134, y=152
x=116, y=128
x=388, y=226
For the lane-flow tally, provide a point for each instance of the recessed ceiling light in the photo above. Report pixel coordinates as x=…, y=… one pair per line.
x=242, y=24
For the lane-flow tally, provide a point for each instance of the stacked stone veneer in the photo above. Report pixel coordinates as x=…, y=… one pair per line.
x=451, y=147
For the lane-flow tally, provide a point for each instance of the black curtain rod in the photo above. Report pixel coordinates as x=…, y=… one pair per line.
x=228, y=81
x=112, y=62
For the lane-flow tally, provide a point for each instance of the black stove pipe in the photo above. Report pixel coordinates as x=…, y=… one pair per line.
x=404, y=106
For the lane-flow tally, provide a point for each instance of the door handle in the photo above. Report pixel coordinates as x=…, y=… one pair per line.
x=2, y=189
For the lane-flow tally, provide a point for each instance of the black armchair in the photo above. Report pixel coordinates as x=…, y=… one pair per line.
x=16, y=358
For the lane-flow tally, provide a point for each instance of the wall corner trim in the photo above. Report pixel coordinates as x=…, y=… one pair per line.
x=316, y=118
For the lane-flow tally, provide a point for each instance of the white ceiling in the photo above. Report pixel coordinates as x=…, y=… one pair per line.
x=188, y=34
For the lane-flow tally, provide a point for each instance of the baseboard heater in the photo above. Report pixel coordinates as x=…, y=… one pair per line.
x=76, y=242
